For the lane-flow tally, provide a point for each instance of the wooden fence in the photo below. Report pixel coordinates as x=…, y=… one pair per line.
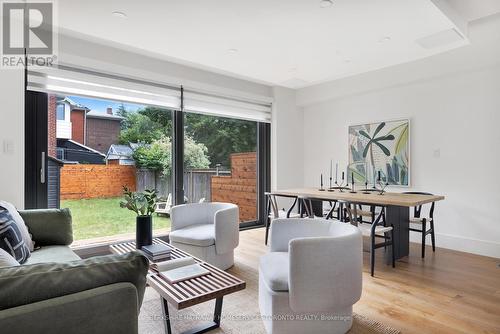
x=197, y=183
x=95, y=181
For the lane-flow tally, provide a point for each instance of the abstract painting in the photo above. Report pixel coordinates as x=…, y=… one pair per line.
x=381, y=147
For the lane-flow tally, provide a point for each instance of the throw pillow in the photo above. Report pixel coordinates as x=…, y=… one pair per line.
x=20, y=224
x=11, y=239
x=6, y=260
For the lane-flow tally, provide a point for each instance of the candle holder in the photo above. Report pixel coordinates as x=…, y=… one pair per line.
x=341, y=187
x=366, y=191
x=382, y=186
x=352, y=189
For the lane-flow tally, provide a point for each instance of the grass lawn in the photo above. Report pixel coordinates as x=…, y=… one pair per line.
x=101, y=217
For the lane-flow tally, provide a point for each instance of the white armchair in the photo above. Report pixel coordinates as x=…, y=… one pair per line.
x=311, y=277
x=208, y=231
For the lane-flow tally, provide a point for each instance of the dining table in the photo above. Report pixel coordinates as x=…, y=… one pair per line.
x=397, y=208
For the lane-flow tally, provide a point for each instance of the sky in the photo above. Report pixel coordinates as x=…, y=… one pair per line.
x=101, y=105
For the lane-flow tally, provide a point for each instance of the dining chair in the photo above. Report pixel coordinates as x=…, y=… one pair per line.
x=274, y=212
x=375, y=230
x=419, y=223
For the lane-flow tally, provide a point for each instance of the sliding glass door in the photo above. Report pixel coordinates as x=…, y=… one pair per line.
x=220, y=162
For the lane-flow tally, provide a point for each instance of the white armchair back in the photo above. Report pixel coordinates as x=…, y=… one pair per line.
x=325, y=262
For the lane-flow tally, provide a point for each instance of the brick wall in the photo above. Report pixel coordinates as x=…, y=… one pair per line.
x=95, y=181
x=78, y=125
x=102, y=133
x=52, y=127
x=241, y=187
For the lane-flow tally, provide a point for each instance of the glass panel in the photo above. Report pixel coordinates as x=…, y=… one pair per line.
x=60, y=112
x=220, y=162
x=100, y=148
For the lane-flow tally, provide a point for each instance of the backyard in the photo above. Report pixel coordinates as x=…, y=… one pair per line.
x=100, y=217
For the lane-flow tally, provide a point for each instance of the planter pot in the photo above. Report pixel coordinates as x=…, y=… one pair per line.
x=143, y=231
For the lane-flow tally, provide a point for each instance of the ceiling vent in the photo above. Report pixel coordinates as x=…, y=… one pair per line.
x=441, y=38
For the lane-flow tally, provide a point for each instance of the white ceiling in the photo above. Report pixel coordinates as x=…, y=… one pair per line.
x=292, y=43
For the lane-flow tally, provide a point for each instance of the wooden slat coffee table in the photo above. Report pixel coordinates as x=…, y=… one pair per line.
x=190, y=292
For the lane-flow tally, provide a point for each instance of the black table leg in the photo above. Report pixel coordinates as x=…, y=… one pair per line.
x=399, y=217
x=166, y=316
x=200, y=329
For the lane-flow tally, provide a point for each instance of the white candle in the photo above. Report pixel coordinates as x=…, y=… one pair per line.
x=336, y=171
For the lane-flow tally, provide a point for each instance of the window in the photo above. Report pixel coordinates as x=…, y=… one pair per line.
x=60, y=112
x=220, y=162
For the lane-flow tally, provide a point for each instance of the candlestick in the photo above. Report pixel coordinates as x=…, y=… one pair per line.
x=352, y=177
x=336, y=171
x=342, y=176
x=321, y=180
x=331, y=168
x=379, y=178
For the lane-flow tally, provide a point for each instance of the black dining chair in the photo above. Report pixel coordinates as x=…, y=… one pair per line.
x=419, y=223
x=274, y=212
x=374, y=231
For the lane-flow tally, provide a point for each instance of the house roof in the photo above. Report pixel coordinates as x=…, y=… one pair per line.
x=121, y=150
x=75, y=105
x=97, y=114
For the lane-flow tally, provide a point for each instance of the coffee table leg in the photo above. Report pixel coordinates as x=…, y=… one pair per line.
x=166, y=316
x=218, y=311
x=209, y=326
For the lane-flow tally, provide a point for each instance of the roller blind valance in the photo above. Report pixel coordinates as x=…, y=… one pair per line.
x=227, y=107
x=73, y=81
x=69, y=80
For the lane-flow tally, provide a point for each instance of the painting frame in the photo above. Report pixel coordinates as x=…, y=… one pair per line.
x=351, y=162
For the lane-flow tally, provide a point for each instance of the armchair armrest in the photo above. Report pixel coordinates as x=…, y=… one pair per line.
x=49, y=226
x=285, y=230
x=28, y=284
x=227, y=229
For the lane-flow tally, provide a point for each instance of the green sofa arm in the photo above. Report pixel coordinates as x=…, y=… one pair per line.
x=110, y=309
x=49, y=226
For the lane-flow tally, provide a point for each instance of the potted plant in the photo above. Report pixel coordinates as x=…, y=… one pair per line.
x=143, y=204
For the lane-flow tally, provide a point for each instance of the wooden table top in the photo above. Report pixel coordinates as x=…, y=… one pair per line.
x=388, y=198
x=188, y=292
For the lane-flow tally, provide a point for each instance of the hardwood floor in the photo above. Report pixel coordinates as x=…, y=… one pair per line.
x=447, y=292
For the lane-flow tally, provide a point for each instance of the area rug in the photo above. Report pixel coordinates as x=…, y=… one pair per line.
x=240, y=312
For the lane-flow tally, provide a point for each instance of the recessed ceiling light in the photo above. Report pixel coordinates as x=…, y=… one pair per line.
x=119, y=14
x=293, y=69
x=384, y=39
x=325, y=3
x=347, y=60
x=232, y=50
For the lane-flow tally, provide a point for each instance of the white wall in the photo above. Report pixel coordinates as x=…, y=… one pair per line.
x=12, y=136
x=287, y=147
x=454, y=148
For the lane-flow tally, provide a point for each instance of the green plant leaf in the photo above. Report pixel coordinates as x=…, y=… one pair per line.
x=383, y=148
x=379, y=127
x=402, y=141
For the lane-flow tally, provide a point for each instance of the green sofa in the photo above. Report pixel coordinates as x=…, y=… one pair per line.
x=57, y=292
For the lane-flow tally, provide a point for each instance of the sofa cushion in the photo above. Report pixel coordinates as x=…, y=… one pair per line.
x=52, y=254
x=28, y=284
x=274, y=268
x=11, y=237
x=202, y=235
x=6, y=260
x=20, y=223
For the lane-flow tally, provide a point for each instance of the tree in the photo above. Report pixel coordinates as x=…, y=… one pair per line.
x=138, y=128
x=158, y=115
x=222, y=136
x=158, y=155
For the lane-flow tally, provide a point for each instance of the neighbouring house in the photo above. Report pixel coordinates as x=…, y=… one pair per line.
x=78, y=134
x=120, y=155
x=103, y=130
x=70, y=151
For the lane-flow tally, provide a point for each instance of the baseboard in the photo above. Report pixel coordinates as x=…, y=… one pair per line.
x=468, y=245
